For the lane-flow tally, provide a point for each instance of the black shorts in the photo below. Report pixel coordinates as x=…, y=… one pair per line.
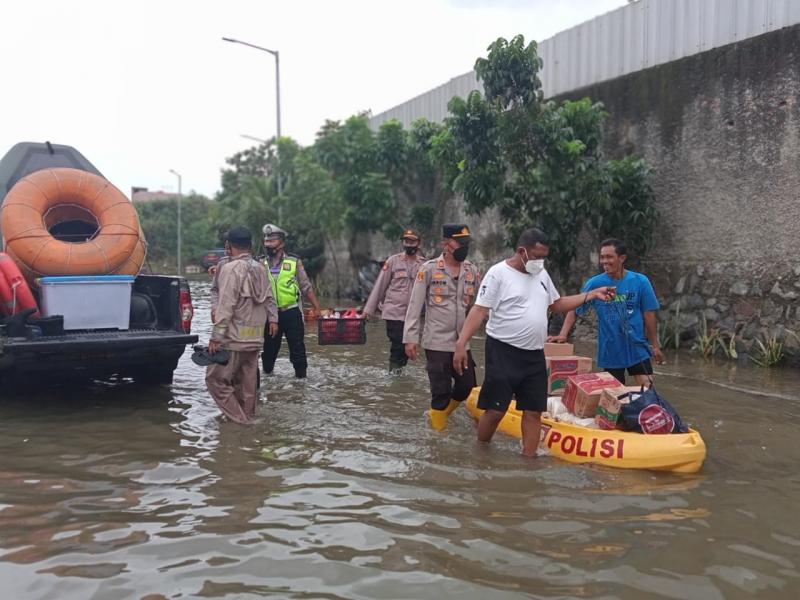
x=513, y=372
x=641, y=368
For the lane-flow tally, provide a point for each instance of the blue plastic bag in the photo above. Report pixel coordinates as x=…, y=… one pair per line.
x=650, y=413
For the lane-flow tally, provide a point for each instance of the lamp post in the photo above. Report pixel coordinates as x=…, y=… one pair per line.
x=180, y=195
x=276, y=54
x=252, y=137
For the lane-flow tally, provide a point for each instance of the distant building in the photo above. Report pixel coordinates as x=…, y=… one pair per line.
x=142, y=194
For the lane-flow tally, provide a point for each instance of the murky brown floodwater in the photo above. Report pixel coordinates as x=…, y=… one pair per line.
x=342, y=491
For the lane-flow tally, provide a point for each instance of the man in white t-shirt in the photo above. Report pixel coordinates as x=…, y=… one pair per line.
x=516, y=295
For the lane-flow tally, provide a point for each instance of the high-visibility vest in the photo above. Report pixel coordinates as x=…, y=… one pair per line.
x=285, y=286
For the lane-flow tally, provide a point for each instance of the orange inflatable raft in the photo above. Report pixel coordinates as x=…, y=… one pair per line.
x=675, y=452
x=65, y=221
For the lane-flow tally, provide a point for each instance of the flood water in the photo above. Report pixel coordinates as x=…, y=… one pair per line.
x=341, y=490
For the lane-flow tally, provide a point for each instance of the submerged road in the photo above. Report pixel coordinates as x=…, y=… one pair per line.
x=341, y=490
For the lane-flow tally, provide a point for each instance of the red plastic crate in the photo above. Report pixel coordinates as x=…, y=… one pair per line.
x=342, y=330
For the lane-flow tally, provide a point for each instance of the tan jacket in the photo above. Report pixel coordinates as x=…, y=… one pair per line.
x=245, y=304
x=446, y=302
x=392, y=289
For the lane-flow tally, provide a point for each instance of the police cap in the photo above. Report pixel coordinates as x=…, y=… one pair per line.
x=457, y=231
x=410, y=234
x=269, y=230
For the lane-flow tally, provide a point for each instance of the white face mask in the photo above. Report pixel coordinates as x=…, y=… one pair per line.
x=534, y=267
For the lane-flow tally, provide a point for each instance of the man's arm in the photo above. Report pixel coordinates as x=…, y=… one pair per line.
x=648, y=303
x=476, y=316
x=378, y=292
x=272, y=308
x=413, y=322
x=568, y=303
x=228, y=287
x=566, y=328
x=651, y=329
x=306, y=287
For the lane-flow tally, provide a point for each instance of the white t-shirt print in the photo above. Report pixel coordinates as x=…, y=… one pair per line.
x=517, y=304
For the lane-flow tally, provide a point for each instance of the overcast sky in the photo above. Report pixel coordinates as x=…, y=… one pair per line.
x=142, y=87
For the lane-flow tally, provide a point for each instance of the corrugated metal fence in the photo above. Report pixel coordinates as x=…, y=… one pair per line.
x=634, y=37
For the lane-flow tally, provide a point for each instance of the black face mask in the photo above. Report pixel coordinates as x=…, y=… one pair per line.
x=460, y=254
x=271, y=251
x=410, y=250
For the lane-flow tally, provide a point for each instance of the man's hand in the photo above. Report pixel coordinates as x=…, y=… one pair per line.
x=460, y=359
x=314, y=313
x=367, y=316
x=658, y=355
x=557, y=339
x=605, y=294
x=212, y=269
x=412, y=351
x=213, y=346
x=273, y=329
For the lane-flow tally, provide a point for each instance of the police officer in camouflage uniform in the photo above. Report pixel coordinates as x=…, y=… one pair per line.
x=445, y=288
x=392, y=291
x=289, y=280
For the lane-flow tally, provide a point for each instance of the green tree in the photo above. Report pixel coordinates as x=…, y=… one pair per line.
x=408, y=159
x=540, y=163
x=159, y=221
x=349, y=151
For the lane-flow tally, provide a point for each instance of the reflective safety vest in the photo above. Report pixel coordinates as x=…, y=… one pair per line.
x=285, y=286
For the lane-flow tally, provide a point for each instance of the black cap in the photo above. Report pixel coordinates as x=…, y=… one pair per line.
x=457, y=231
x=240, y=237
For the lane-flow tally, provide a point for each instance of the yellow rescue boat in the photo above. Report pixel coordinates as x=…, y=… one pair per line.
x=675, y=452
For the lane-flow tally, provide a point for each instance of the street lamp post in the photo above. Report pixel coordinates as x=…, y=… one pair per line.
x=180, y=196
x=276, y=54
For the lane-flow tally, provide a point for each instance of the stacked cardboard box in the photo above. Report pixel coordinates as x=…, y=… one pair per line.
x=610, y=404
x=582, y=394
x=560, y=368
x=551, y=349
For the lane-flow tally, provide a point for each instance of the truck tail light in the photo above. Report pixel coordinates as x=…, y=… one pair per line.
x=187, y=311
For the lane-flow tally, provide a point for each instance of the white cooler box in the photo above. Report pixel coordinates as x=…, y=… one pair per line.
x=101, y=302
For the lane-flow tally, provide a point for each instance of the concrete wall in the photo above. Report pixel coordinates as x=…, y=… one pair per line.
x=722, y=131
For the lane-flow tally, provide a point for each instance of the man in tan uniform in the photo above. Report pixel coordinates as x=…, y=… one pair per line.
x=392, y=291
x=244, y=306
x=445, y=287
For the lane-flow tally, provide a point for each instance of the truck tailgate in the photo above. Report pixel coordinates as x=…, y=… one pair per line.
x=98, y=340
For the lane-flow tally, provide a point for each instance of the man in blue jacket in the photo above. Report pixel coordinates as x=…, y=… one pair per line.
x=628, y=334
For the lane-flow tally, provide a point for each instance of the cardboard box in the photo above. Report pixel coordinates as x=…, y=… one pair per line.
x=559, y=368
x=610, y=406
x=551, y=349
x=582, y=394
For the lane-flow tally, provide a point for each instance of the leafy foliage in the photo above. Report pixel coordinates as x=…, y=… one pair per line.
x=350, y=182
x=540, y=163
x=629, y=213
x=714, y=341
x=350, y=152
x=159, y=220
